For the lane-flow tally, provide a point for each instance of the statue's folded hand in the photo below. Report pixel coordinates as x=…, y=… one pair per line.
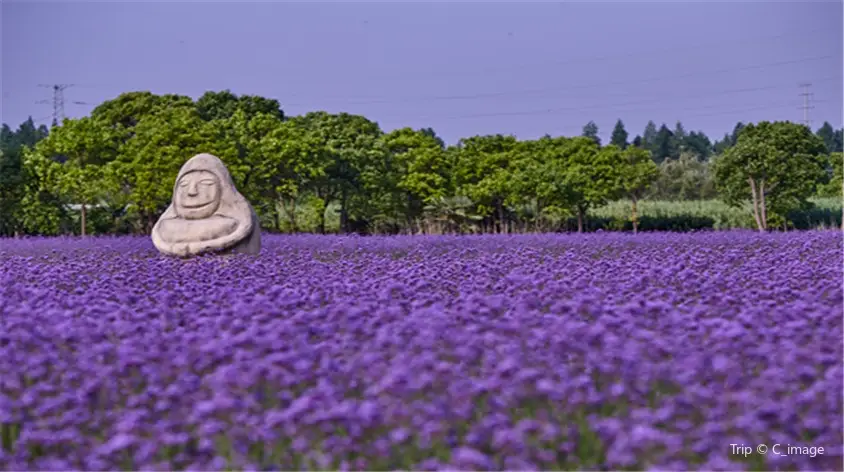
x=179, y=230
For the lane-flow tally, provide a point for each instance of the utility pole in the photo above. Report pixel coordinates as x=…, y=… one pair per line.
x=806, y=107
x=57, y=101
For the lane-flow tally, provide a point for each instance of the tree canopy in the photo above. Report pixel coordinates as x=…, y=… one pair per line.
x=776, y=166
x=112, y=171
x=619, y=135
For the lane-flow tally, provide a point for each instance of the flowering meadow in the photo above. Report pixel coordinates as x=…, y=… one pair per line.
x=601, y=351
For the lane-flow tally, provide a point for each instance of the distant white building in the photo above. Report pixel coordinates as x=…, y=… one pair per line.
x=78, y=206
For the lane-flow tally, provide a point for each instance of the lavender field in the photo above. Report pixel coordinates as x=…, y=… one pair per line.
x=602, y=351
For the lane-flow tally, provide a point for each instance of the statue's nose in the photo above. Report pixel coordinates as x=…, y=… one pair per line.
x=193, y=190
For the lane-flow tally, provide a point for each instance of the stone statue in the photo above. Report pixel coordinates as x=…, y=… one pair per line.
x=207, y=214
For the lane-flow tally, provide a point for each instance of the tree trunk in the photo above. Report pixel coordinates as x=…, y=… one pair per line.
x=326, y=199
x=580, y=219
x=294, y=223
x=411, y=227
x=635, y=216
x=764, y=211
x=277, y=216
x=290, y=211
x=756, y=214
x=502, y=225
x=344, y=214
x=537, y=221
x=83, y=218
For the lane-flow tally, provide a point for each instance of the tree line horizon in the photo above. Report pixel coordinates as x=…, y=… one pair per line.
x=111, y=172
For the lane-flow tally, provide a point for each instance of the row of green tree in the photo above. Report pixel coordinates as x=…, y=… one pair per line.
x=666, y=144
x=112, y=171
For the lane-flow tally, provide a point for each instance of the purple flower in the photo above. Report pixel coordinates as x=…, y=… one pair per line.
x=471, y=458
x=117, y=443
x=518, y=352
x=399, y=435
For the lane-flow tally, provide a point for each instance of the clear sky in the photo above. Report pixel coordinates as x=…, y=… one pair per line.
x=462, y=68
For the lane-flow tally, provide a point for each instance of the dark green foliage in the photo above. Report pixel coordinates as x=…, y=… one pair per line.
x=590, y=130
x=705, y=215
x=665, y=145
x=721, y=145
x=637, y=141
x=698, y=144
x=223, y=105
x=831, y=137
x=814, y=216
x=649, y=136
x=680, y=134
x=834, y=171
x=111, y=172
x=619, y=135
x=15, y=178
x=736, y=132
x=128, y=109
x=645, y=223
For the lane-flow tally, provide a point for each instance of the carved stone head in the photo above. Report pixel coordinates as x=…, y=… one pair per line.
x=197, y=194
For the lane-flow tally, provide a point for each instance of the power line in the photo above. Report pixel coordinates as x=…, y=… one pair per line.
x=58, y=99
x=581, y=60
x=732, y=43
x=586, y=86
x=554, y=111
x=614, y=106
x=744, y=110
x=666, y=50
x=623, y=104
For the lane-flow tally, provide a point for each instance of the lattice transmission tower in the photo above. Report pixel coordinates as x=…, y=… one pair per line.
x=57, y=101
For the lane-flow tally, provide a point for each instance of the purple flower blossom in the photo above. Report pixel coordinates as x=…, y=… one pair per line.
x=530, y=352
x=118, y=443
x=466, y=457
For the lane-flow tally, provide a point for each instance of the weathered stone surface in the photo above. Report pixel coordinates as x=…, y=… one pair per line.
x=207, y=213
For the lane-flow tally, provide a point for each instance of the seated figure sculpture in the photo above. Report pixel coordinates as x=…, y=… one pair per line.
x=207, y=214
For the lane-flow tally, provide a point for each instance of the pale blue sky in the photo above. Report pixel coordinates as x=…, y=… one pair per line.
x=462, y=68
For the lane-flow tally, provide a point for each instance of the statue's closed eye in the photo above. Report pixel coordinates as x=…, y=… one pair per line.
x=207, y=182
